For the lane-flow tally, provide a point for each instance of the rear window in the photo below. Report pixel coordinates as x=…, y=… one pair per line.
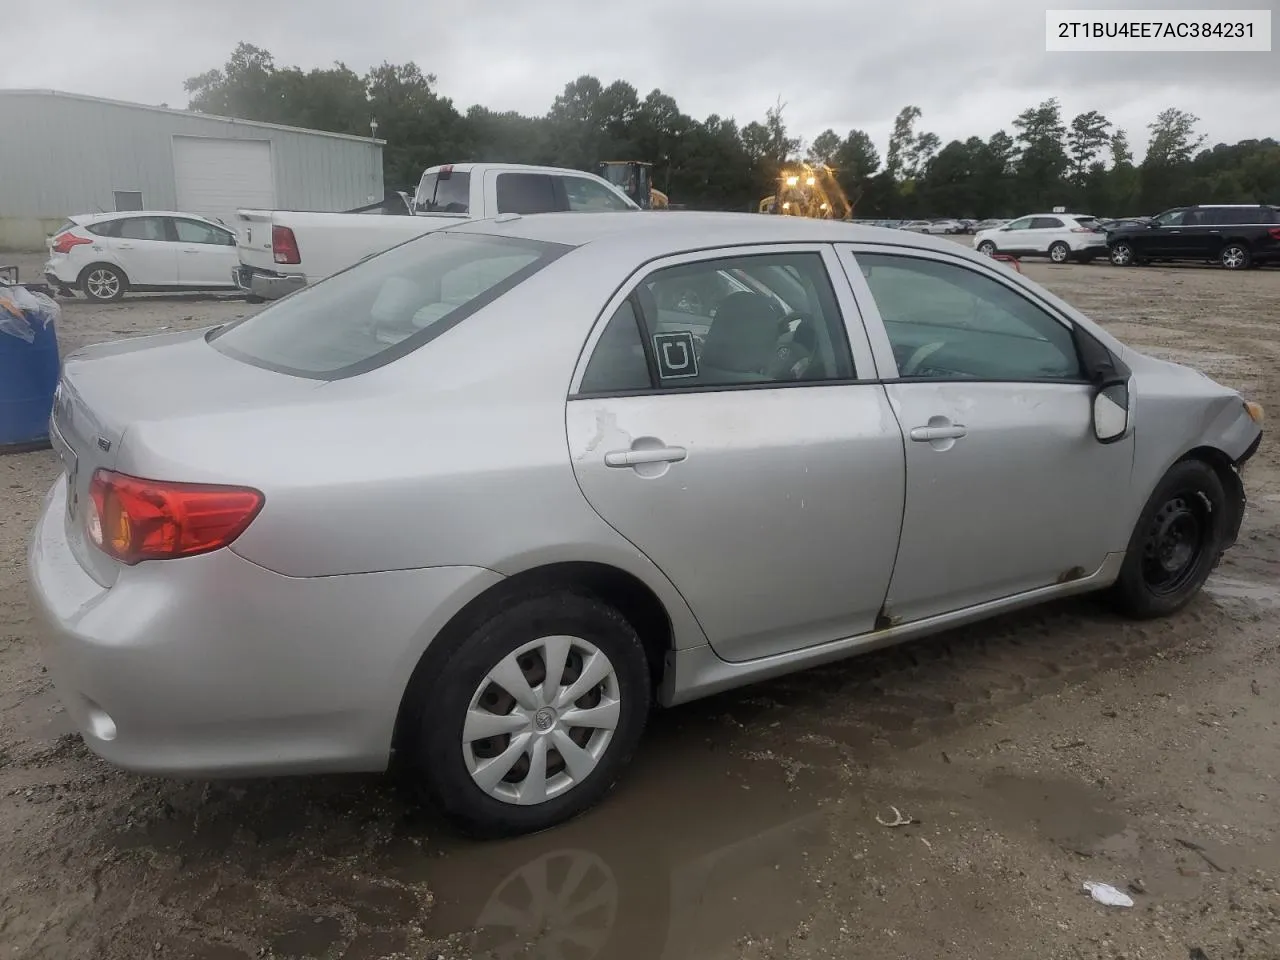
x=444, y=192
x=385, y=307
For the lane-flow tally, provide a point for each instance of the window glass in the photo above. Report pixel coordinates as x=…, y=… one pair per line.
x=141, y=228
x=951, y=322
x=1089, y=223
x=1171, y=218
x=1231, y=215
x=587, y=195
x=107, y=228
x=442, y=192
x=193, y=231
x=384, y=307
x=1023, y=224
x=618, y=361
x=526, y=193
x=769, y=318
x=1046, y=223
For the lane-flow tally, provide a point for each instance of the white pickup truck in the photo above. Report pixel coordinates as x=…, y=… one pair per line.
x=283, y=250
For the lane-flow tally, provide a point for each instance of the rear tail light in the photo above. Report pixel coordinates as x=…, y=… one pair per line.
x=284, y=245
x=1083, y=230
x=1275, y=233
x=63, y=242
x=133, y=520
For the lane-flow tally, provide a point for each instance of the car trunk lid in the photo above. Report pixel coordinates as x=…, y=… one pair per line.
x=108, y=388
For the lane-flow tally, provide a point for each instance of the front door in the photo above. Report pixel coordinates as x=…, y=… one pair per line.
x=1007, y=488
x=1016, y=237
x=719, y=426
x=206, y=254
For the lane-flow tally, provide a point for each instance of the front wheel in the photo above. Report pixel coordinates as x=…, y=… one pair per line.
x=1235, y=256
x=531, y=720
x=987, y=248
x=1175, y=544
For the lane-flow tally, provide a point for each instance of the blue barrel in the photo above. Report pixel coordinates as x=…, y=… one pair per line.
x=28, y=378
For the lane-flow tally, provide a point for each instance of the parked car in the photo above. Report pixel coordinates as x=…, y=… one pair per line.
x=1107, y=225
x=107, y=255
x=1237, y=236
x=1059, y=236
x=282, y=250
x=916, y=226
x=479, y=501
x=990, y=224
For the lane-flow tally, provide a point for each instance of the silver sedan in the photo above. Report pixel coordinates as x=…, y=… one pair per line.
x=480, y=502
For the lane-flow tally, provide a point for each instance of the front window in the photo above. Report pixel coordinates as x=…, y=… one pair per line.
x=1171, y=218
x=444, y=192
x=385, y=307
x=193, y=231
x=1023, y=224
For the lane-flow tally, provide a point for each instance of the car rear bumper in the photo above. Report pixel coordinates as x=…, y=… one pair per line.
x=213, y=665
x=266, y=284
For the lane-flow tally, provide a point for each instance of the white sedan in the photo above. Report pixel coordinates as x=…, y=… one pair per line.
x=105, y=255
x=1059, y=236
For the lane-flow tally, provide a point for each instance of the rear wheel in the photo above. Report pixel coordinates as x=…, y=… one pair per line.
x=1175, y=544
x=1236, y=256
x=533, y=717
x=1059, y=252
x=1122, y=254
x=103, y=282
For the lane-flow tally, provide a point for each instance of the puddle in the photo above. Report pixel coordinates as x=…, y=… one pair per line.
x=1069, y=813
x=1252, y=591
x=694, y=854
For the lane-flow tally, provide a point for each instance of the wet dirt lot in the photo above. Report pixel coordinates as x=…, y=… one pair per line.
x=1030, y=753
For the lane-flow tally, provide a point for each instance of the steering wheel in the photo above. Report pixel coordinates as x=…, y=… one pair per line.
x=919, y=357
x=791, y=358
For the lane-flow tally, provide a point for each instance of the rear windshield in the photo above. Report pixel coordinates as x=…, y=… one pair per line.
x=444, y=193
x=384, y=307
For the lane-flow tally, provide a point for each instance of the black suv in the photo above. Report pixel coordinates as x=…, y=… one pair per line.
x=1237, y=236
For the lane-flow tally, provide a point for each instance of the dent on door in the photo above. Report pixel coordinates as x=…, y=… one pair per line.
x=775, y=513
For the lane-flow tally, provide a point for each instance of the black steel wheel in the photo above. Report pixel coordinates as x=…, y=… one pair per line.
x=1176, y=542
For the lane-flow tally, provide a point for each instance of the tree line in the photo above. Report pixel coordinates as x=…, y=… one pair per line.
x=1043, y=160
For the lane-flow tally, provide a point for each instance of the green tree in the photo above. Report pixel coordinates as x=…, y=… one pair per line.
x=1088, y=137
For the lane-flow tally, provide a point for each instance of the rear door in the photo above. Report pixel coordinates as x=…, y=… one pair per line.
x=1045, y=232
x=206, y=254
x=743, y=446
x=1007, y=488
x=146, y=251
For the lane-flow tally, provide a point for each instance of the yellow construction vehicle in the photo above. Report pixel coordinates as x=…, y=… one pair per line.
x=635, y=179
x=809, y=190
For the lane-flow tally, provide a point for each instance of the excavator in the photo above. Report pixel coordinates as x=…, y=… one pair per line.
x=635, y=179
x=809, y=190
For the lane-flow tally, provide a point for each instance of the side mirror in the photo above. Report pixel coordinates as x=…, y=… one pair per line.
x=1111, y=411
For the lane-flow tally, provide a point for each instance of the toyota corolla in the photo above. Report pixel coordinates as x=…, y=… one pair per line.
x=481, y=501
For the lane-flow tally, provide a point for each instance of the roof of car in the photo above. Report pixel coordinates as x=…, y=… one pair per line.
x=119, y=214
x=676, y=230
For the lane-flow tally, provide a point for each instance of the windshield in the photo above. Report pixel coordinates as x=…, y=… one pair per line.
x=385, y=307
x=444, y=191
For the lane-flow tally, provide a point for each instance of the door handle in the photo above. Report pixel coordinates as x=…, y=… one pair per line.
x=126, y=246
x=926, y=434
x=629, y=458
x=190, y=250
x=1175, y=231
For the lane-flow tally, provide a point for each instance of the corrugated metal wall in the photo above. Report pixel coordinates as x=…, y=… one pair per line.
x=62, y=154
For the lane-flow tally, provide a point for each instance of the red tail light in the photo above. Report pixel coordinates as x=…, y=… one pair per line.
x=284, y=245
x=134, y=520
x=1083, y=230
x=63, y=242
x=1275, y=233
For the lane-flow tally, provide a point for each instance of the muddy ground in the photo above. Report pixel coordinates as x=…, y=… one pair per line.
x=1030, y=754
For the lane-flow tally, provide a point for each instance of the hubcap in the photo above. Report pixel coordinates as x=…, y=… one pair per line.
x=1175, y=542
x=1058, y=254
x=1232, y=257
x=1120, y=255
x=103, y=284
x=541, y=720
x=987, y=249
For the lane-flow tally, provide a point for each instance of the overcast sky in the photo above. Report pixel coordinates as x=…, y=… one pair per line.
x=970, y=65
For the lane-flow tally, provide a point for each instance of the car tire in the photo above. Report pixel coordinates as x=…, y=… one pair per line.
x=1121, y=255
x=103, y=283
x=462, y=774
x=1175, y=544
x=1236, y=256
x=1059, y=252
x=987, y=248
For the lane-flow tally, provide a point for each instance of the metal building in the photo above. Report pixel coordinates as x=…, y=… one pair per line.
x=66, y=153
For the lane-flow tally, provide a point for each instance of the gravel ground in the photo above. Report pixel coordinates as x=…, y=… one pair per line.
x=1030, y=753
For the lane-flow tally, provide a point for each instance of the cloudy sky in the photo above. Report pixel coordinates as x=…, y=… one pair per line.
x=970, y=65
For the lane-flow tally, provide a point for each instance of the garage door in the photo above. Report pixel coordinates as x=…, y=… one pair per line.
x=215, y=177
